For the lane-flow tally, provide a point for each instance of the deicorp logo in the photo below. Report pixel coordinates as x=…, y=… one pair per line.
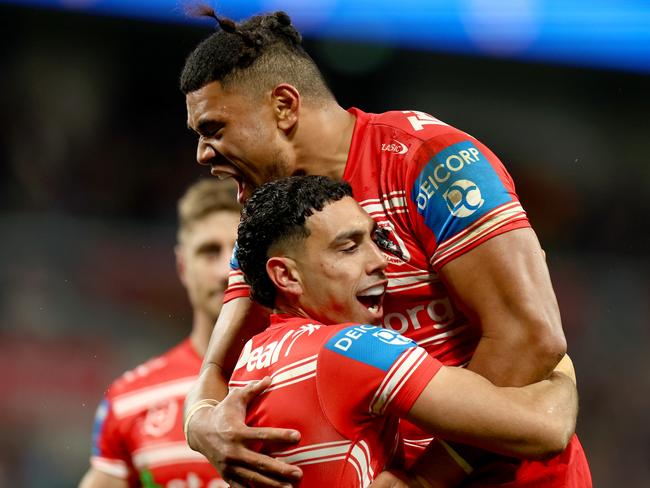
x=456, y=188
x=463, y=198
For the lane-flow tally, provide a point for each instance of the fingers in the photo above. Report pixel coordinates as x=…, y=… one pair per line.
x=258, y=469
x=250, y=391
x=253, y=463
x=269, y=434
x=240, y=476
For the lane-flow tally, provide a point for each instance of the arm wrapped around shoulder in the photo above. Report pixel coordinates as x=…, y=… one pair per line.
x=533, y=422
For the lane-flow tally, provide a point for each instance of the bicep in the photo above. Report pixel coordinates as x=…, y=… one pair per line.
x=504, y=286
x=97, y=479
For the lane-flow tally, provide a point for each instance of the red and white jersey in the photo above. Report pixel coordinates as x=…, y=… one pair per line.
x=138, y=433
x=342, y=386
x=438, y=192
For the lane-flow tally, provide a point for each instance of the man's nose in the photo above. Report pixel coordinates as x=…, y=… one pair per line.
x=222, y=266
x=205, y=153
x=378, y=260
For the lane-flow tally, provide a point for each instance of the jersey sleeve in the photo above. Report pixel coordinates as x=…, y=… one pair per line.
x=366, y=371
x=237, y=286
x=109, y=453
x=459, y=195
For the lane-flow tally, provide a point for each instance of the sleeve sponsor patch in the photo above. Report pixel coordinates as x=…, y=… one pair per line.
x=370, y=345
x=456, y=188
x=100, y=416
x=234, y=262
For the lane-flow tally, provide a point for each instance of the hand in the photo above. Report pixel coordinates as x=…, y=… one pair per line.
x=220, y=434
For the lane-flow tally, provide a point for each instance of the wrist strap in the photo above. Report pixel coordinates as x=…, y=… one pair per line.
x=205, y=403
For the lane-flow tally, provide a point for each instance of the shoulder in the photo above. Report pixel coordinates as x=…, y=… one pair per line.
x=170, y=366
x=367, y=344
x=413, y=124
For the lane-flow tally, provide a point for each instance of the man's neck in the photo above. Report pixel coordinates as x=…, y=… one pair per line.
x=323, y=145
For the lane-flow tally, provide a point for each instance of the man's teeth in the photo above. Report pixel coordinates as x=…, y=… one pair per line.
x=373, y=308
x=372, y=292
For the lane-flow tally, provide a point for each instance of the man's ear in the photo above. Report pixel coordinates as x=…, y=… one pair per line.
x=180, y=264
x=285, y=276
x=286, y=100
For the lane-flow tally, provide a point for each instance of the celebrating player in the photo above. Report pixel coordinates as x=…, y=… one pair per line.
x=138, y=435
x=467, y=277
x=307, y=249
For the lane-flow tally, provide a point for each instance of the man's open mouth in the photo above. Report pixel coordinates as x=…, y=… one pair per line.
x=222, y=174
x=372, y=298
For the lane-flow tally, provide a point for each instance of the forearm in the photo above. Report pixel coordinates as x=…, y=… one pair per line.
x=211, y=384
x=532, y=421
x=506, y=361
x=239, y=320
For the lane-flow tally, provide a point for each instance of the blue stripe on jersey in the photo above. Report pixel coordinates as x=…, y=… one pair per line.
x=456, y=188
x=370, y=345
x=100, y=417
x=234, y=262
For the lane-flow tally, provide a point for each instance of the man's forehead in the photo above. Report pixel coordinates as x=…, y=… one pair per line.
x=206, y=96
x=213, y=223
x=338, y=217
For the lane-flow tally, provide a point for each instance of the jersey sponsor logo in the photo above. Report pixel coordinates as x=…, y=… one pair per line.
x=234, y=262
x=463, y=198
x=160, y=419
x=100, y=416
x=437, y=313
x=268, y=354
x=370, y=345
x=456, y=188
x=395, y=147
x=390, y=338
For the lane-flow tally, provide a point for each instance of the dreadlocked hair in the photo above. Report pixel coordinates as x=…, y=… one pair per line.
x=262, y=52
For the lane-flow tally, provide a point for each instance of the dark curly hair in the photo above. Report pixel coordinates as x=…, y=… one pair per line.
x=275, y=215
x=263, y=51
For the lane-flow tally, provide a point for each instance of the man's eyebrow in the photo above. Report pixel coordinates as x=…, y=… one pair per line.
x=208, y=125
x=348, y=235
x=209, y=246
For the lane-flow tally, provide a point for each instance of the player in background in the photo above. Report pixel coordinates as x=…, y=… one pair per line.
x=468, y=281
x=307, y=249
x=138, y=436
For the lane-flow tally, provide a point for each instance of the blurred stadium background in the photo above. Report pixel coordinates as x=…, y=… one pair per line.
x=94, y=154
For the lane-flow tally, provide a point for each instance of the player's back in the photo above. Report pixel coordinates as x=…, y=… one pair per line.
x=325, y=383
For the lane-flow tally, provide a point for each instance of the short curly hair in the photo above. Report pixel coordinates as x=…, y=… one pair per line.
x=276, y=215
x=262, y=52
